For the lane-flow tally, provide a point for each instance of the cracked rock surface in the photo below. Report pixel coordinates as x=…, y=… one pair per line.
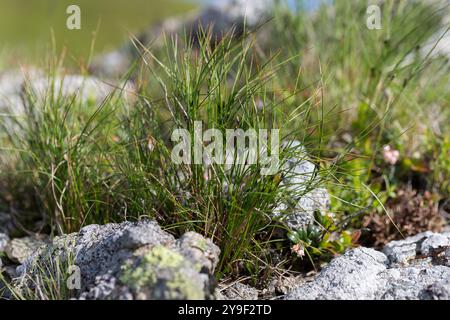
x=414, y=268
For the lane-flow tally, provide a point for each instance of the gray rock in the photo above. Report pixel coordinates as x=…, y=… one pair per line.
x=437, y=291
x=133, y=261
x=405, y=272
x=11, y=88
x=303, y=214
x=434, y=242
x=3, y=242
x=240, y=291
x=439, y=43
x=113, y=64
x=447, y=257
x=86, y=89
x=106, y=287
x=414, y=282
x=101, y=250
x=199, y=251
x=298, y=171
x=19, y=249
x=252, y=11
x=281, y=285
x=402, y=251
x=299, y=178
x=353, y=275
x=15, y=83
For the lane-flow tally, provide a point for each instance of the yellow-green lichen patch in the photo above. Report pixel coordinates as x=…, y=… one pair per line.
x=182, y=287
x=163, y=257
x=202, y=244
x=144, y=277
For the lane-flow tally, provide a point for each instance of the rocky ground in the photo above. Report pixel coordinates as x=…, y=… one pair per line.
x=415, y=268
x=141, y=261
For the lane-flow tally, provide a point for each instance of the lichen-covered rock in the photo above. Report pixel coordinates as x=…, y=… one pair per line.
x=6, y=269
x=413, y=268
x=19, y=249
x=134, y=261
x=164, y=273
x=200, y=251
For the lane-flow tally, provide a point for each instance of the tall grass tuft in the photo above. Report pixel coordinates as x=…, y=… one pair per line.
x=225, y=85
x=59, y=145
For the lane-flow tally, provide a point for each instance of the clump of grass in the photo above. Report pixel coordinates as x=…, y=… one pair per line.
x=225, y=85
x=59, y=147
x=53, y=280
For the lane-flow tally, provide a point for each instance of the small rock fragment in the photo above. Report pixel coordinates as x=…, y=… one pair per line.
x=433, y=242
x=402, y=251
x=19, y=249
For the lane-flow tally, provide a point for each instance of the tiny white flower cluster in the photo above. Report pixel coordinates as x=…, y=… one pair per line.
x=390, y=155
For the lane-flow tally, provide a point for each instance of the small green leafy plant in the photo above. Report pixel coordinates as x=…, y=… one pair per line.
x=322, y=240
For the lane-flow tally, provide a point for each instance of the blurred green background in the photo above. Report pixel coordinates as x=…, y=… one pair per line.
x=26, y=26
